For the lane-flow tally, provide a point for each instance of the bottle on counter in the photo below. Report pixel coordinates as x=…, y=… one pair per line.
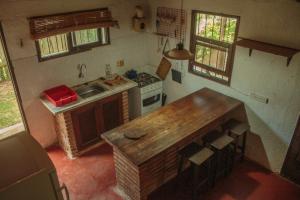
x=108, y=72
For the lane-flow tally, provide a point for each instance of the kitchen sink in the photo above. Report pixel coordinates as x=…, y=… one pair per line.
x=89, y=90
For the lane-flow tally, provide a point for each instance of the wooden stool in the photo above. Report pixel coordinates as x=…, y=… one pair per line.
x=238, y=130
x=222, y=145
x=198, y=160
x=185, y=154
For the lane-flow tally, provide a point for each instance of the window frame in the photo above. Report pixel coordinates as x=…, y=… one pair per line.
x=195, y=39
x=75, y=49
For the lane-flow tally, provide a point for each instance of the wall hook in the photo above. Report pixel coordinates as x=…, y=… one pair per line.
x=21, y=43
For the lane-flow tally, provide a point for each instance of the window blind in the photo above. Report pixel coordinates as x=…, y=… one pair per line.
x=45, y=26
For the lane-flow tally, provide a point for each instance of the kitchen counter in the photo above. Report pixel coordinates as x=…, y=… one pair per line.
x=110, y=90
x=170, y=124
x=145, y=164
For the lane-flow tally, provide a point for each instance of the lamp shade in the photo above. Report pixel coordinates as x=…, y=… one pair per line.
x=179, y=53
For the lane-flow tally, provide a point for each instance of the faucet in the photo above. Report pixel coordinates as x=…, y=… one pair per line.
x=81, y=68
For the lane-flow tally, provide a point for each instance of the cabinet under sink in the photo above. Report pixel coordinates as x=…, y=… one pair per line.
x=80, y=129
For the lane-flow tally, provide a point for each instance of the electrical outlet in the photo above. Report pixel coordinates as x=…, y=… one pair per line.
x=259, y=98
x=120, y=63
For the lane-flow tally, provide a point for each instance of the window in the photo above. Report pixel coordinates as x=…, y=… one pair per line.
x=90, y=36
x=84, y=37
x=70, y=43
x=53, y=45
x=212, y=41
x=63, y=34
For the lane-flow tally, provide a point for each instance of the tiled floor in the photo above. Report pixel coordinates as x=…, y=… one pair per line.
x=92, y=177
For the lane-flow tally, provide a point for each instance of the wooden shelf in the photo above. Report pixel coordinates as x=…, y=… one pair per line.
x=269, y=48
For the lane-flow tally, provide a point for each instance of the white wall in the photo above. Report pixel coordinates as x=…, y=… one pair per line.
x=274, y=21
x=34, y=77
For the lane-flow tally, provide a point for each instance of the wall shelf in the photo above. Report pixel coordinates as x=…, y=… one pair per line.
x=269, y=48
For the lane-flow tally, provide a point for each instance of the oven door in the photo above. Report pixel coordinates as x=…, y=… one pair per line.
x=151, y=101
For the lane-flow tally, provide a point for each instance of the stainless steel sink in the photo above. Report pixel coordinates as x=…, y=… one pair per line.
x=89, y=90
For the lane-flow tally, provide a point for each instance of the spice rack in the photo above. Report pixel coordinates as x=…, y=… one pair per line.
x=169, y=21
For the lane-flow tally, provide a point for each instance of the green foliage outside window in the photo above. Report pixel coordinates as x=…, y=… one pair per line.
x=216, y=27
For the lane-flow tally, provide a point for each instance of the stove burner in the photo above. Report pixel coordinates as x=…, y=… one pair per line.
x=144, y=79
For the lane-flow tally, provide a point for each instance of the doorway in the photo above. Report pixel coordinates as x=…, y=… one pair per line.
x=11, y=113
x=291, y=166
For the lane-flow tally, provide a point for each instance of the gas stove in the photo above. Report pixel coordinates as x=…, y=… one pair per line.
x=147, y=97
x=144, y=79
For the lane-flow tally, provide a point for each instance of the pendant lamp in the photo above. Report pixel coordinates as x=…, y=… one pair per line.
x=179, y=53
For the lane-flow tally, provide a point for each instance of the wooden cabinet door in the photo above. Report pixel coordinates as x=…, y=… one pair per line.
x=86, y=127
x=112, y=112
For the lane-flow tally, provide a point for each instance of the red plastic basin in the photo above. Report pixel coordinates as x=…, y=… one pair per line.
x=60, y=95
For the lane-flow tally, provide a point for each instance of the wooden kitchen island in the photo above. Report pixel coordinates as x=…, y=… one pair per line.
x=145, y=164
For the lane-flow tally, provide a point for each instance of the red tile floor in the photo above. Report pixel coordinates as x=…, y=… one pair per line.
x=92, y=177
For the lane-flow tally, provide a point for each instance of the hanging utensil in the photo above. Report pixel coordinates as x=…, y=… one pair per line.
x=180, y=53
x=163, y=68
x=160, y=43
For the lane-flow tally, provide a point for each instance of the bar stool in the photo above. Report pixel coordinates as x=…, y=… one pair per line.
x=223, y=146
x=185, y=153
x=202, y=158
x=238, y=130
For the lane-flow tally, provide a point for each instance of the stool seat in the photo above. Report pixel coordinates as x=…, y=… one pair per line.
x=222, y=142
x=211, y=136
x=201, y=156
x=236, y=127
x=240, y=129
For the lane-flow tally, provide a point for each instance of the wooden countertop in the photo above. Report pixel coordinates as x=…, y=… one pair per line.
x=170, y=125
